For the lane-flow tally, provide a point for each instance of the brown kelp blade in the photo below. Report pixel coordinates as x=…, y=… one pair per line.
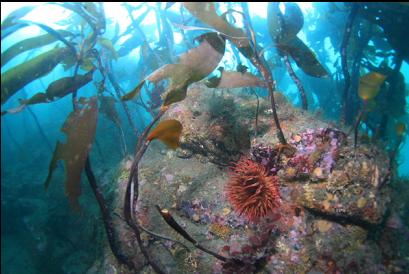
x=60, y=88
x=284, y=27
x=206, y=12
x=130, y=95
x=29, y=44
x=80, y=128
x=235, y=79
x=304, y=57
x=168, y=131
x=17, y=77
x=55, y=91
x=173, y=224
x=370, y=84
x=192, y=66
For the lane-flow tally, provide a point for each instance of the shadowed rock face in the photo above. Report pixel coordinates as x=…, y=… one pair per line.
x=323, y=224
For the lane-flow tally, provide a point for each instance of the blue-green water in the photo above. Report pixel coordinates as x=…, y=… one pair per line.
x=123, y=44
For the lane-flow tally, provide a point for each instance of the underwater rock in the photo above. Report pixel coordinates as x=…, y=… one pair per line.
x=217, y=126
x=324, y=219
x=220, y=137
x=355, y=190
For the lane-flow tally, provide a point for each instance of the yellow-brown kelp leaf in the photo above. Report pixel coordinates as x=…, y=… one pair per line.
x=17, y=77
x=60, y=88
x=235, y=79
x=180, y=79
x=206, y=12
x=370, y=84
x=168, y=131
x=106, y=43
x=400, y=128
x=193, y=66
x=30, y=43
x=80, y=128
x=134, y=92
x=304, y=57
x=87, y=64
x=284, y=27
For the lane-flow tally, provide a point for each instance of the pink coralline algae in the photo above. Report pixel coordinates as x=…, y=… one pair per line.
x=316, y=149
x=308, y=151
x=267, y=156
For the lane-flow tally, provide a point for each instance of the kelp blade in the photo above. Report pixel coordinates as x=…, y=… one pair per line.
x=193, y=66
x=10, y=25
x=168, y=131
x=206, y=12
x=80, y=128
x=130, y=95
x=284, y=27
x=235, y=79
x=17, y=77
x=304, y=57
x=30, y=43
x=60, y=88
x=370, y=84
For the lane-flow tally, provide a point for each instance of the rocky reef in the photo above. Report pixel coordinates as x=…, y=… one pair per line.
x=334, y=213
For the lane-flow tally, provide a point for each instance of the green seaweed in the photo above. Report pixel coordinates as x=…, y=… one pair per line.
x=10, y=25
x=30, y=43
x=60, y=88
x=19, y=76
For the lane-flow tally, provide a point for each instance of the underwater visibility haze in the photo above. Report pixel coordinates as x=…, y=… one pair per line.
x=204, y=137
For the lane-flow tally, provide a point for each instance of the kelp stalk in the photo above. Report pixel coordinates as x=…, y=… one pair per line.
x=381, y=132
x=173, y=224
x=163, y=237
x=392, y=157
x=132, y=190
x=118, y=92
x=261, y=65
x=268, y=78
x=106, y=217
x=6, y=125
x=344, y=62
x=357, y=123
x=257, y=110
x=40, y=129
x=296, y=81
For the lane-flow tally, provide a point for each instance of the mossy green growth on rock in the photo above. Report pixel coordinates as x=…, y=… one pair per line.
x=221, y=107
